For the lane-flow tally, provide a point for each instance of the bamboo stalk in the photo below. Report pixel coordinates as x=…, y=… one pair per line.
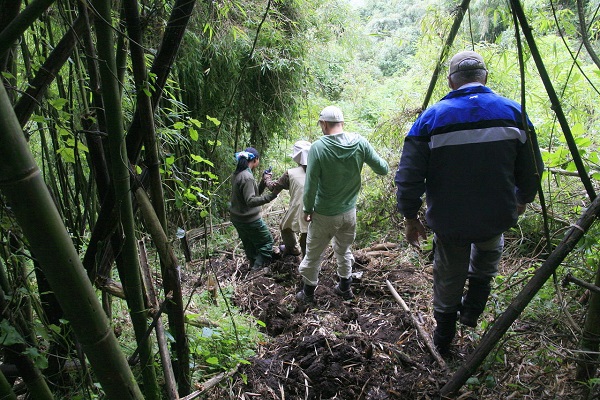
x=163, y=347
x=24, y=188
x=127, y=259
x=15, y=29
x=460, y=13
x=424, y=335
x=6, y=391
x=556, y=106
x=172, y=284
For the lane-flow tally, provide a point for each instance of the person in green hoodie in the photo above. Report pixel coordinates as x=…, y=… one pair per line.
x=245, y=210
x=333, y=180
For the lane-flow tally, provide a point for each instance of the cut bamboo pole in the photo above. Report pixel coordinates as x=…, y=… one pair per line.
x=424, y=335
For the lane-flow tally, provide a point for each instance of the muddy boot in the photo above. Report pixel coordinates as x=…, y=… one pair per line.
x=303, y=244
x=444, y=331
x=260, y=262
x=307, y=294
x=343, y=289
x=473, y=303
x=290, y=243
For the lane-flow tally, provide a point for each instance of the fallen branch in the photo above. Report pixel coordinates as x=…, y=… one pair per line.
x=382, y=246
x=200, y=322
x=380, y=253
x=402, y=356
x=418, y=327
x=212, y=382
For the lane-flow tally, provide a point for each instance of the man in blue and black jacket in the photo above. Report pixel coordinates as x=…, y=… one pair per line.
x=478, y=166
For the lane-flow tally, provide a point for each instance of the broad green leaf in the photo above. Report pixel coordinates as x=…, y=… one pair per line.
x=212, y=360
x=213, y=120
x=37, y=118
x=190, y=196
x=193, y=134
x=210, y=174
x=38, y=359
x=67, y=154
x=58, y=103
x=582, y=141
x=179, y=125
x=577, y=129
x=196, y=122
x=9, y=335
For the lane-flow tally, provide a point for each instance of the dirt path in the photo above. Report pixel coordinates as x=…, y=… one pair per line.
x=360, y=349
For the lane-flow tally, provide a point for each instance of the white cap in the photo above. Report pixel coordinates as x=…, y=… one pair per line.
x=331, y=114
x=300, y=152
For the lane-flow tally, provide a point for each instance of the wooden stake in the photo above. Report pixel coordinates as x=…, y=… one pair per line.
x=424, y=335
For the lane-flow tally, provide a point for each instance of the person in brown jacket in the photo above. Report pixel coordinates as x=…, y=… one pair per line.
x=293, y=221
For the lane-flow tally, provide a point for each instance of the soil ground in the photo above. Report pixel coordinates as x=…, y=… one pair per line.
x=368, y=347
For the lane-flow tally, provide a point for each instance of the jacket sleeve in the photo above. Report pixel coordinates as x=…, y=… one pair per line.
x=528, y=169
x=313, y=172
x=411, y=174
x=280, y=184
x=249, y=190
x=373, y=160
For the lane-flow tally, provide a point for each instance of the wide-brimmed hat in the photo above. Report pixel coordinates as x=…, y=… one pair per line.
x=300, y=152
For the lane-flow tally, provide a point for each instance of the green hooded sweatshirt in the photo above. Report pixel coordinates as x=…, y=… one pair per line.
x=333, y=173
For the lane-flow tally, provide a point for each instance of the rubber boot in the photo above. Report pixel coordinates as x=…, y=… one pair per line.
x=260, y=262
x=290, y=243
x=307, y=294
x=473, y=303
x=444, y=331
x=343, y=288
x=303, y=243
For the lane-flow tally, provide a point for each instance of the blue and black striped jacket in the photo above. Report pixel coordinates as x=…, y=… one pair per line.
x=471, y=157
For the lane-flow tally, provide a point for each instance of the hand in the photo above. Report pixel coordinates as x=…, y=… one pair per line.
x=308, y=217
x=521, y=208
x=413, y=228
x=266, y=175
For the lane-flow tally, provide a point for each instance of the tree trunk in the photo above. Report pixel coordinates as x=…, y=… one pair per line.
x=26, y=192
